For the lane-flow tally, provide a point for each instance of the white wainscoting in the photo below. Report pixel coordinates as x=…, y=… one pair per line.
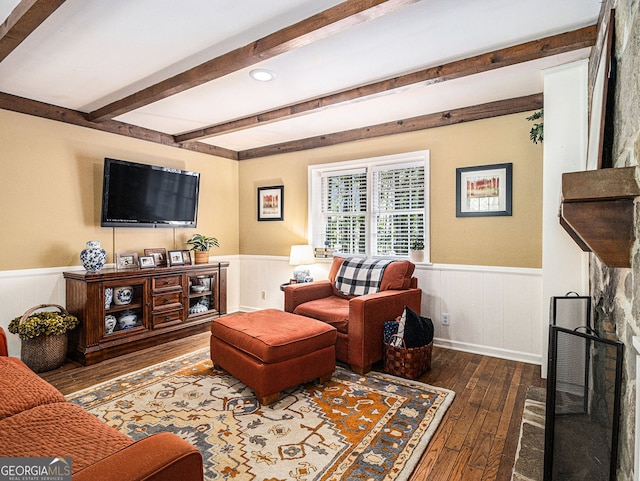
x=262, y=277
x=21, y=290
x=493, y=311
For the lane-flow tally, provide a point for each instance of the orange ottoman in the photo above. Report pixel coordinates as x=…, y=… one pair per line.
x=271, y=350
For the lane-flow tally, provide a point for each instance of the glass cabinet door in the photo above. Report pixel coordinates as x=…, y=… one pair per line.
x=203, y=293
x=124, y=307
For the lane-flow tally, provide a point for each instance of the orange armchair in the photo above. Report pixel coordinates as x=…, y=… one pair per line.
x=359, y=320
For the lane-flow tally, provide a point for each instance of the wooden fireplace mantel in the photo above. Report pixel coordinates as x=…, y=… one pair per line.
x=597, y=211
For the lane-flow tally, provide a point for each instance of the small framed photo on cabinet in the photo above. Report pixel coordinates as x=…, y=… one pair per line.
x=146, y=262
x=175, y=258
x=127, y=260
x=159, y=255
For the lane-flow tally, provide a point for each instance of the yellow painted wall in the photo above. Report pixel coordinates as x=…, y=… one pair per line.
x=514, y=241
x=51, y=181
x=51, y=187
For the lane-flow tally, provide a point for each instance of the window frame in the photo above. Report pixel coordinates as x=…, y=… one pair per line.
x=317, y=171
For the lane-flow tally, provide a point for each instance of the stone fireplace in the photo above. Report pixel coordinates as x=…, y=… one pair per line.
x=615, y=289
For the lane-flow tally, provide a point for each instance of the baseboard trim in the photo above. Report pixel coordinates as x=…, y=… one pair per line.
x=250, y=309
x=489, y=351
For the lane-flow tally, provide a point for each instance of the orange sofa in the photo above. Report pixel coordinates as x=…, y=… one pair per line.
x=37, y=421
x=359, y=320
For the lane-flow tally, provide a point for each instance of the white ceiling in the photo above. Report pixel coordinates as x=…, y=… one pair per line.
x=89, y=53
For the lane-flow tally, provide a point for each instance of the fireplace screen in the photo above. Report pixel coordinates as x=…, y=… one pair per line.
x=570, y=311
x=583, y=406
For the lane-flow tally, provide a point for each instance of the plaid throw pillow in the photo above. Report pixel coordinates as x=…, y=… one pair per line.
x=358, y=276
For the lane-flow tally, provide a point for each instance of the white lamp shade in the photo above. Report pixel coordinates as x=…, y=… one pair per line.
x=301, y=255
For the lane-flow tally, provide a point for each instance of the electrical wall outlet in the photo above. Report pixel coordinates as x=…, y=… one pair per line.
x=264, y=295
x=445, y=318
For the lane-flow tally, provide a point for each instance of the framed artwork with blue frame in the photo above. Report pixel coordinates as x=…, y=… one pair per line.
x=484, y=191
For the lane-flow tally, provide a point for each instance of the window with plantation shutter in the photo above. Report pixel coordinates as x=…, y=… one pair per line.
x=371, y=207
x=397, y=208
x=344, y=207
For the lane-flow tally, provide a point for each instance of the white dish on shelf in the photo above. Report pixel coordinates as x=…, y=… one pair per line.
x=127, y=320
x=197, y=288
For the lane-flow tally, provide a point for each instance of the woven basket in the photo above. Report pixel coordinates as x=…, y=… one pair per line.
x=44, y=353
x=406, y=362
x=201, y=257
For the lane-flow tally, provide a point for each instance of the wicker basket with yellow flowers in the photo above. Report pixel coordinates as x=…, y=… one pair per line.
x=44, y=336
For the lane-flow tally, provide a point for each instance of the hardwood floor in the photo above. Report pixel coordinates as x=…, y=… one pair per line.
x=476, y=440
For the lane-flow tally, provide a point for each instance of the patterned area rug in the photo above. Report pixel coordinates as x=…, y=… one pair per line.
x=372, y=427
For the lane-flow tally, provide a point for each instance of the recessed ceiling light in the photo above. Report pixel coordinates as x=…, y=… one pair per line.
x=262, y=75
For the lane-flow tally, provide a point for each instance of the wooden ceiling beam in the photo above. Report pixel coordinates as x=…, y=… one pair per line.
x=319, y=26
x=22, y=21
x=69, y=116
x=466, y=114
x=553, y=45
x=430, y=121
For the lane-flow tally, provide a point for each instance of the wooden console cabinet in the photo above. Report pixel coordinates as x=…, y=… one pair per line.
x=167, y=302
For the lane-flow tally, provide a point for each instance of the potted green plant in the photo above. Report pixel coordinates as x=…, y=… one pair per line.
x=416, y=249
x=201, y=245
x=44, y=336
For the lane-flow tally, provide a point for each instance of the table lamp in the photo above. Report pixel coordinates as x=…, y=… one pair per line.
x=301, y=256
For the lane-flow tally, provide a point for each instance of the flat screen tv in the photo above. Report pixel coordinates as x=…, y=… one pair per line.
x=140, y=195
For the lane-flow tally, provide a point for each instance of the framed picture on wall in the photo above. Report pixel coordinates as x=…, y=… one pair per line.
x=484, y=190
x=271, y=203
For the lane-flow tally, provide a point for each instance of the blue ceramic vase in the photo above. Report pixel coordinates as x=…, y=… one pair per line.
x=93, y=257
x=109, y=324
